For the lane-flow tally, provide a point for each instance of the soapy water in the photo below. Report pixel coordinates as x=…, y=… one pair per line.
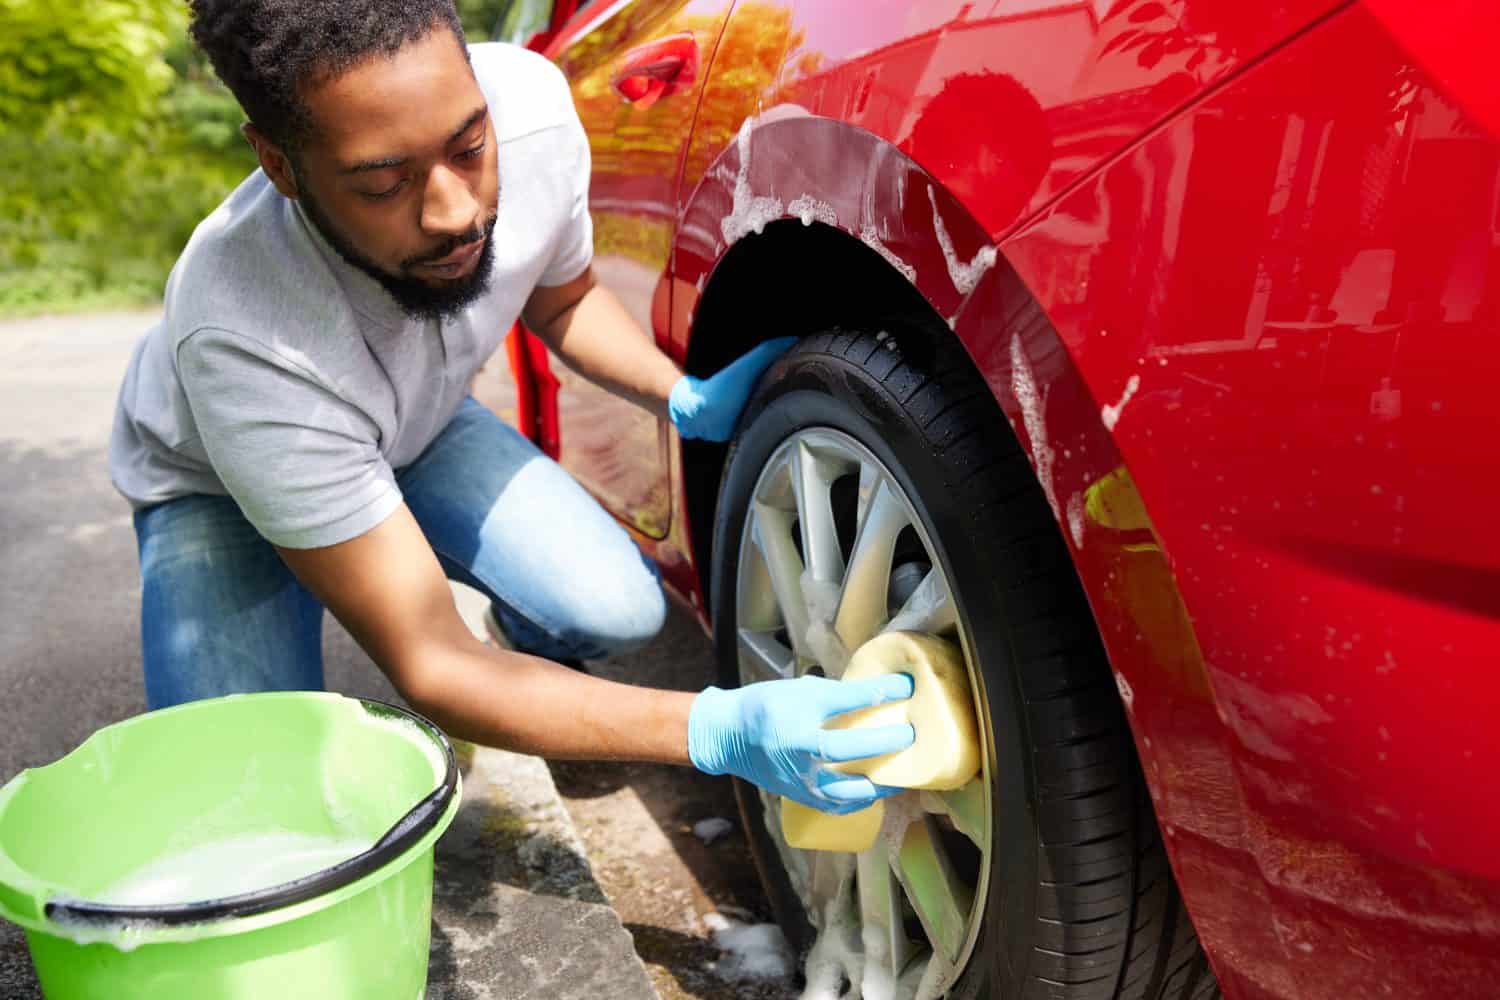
x=963, y=275
x=212, y=870
x=822, y=642
x=749, y=951
x=835, y=956
x=874, y=239
x=229, y=867
x=810, y=210
x=851, y=960
x=1033, y=405
x=413, y=732
x=748, y=212
x=1110, y=415
x=712, y=829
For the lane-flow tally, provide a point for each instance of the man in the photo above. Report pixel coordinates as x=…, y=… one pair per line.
x=296, y=433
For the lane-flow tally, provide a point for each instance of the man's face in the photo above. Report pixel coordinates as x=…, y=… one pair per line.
x=399, y=173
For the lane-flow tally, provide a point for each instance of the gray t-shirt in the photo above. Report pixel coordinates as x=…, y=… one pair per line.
x=287, y=379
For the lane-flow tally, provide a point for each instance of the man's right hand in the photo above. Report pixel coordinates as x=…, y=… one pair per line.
x=771, y=734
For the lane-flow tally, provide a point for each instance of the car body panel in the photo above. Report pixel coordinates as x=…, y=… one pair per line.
x=1286, y=303
x=1258, y=410
x=616, y=449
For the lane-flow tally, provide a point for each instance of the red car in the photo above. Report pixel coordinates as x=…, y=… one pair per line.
x=1148, y=351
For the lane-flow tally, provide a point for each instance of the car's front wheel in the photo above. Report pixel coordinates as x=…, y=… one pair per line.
x=874, y=485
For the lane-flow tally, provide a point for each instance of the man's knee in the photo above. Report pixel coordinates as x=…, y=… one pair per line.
x=624, y=621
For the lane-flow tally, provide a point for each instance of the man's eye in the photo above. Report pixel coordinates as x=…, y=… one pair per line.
x=387, y=193
x=471, y=152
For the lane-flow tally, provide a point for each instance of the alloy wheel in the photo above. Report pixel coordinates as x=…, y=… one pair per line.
x=834, y=553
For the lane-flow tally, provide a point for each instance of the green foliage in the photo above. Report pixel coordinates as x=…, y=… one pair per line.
x=95, y=63
x=115, y=141
x=481, y=16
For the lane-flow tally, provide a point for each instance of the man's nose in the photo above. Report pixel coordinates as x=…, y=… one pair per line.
x=449, y=207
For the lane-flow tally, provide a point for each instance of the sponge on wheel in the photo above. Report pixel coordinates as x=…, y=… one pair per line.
x=814, y=830
x=944, y=756
x=941, y=709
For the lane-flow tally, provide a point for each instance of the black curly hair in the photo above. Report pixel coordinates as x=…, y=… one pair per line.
x=265, y=51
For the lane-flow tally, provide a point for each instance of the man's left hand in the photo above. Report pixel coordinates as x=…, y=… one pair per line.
x=708, y=408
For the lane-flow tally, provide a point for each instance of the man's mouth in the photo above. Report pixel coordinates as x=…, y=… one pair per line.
x=456, y=264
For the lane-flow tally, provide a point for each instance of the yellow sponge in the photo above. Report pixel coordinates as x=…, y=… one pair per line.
x=944, y=756
x=814, y=830
x=941, y=709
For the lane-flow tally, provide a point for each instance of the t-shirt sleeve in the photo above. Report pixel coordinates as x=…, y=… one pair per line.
x=303, y=464
x=574, y=248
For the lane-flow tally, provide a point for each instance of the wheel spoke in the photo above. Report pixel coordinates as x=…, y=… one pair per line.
x=886, y=946
x=965, y=807
x=930, y=608
x=830, y=880
x=763, y=658
x=941, y=900
x=812, y=478
x=773, y=535
x=862, y=602
x=869, y=478
x=755, y=601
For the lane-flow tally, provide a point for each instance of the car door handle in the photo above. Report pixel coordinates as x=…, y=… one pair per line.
x=657, y=69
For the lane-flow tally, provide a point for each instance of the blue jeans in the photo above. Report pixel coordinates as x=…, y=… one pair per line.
x=221, y=613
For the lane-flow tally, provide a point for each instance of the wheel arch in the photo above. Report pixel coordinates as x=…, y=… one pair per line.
x=794, y=204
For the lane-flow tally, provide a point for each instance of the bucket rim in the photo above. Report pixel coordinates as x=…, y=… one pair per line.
x=404, y=834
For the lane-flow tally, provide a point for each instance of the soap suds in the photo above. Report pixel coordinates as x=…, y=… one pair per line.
x=964, y=276
x=1023, y=385
x=214, y=870
x=228, y=867
x=836, y=951
x=412, y=731
x=822, y=641
x=122, y=935
x=1111, y=414
x=870, y=238
x=750, y=951
x=712, y=829
x=810, y=210
x=845, y=951
x=749, y=213
x=1075, y=519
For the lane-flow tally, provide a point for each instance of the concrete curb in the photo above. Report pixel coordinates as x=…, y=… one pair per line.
x=517, y=912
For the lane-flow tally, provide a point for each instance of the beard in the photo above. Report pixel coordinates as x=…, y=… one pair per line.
x=420, y=300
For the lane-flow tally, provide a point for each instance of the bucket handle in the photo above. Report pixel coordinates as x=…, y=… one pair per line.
x=405, y=832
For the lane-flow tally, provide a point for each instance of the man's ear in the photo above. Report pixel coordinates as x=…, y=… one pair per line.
x=272, y=160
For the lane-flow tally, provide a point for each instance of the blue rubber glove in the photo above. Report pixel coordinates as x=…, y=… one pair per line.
x=771, y=733
x=707, y=408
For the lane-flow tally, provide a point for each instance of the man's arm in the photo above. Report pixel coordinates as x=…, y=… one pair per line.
x=591, y=331
x=595, y=336
x=388, y=590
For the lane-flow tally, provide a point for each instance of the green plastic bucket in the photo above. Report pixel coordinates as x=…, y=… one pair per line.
x=243, y=770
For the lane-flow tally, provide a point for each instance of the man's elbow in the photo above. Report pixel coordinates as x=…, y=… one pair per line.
x=423, y=681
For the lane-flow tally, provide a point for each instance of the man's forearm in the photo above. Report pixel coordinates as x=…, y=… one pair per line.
x=598, y=339
x=524, y=703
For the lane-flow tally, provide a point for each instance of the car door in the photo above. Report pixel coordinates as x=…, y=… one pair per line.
x=635, y=69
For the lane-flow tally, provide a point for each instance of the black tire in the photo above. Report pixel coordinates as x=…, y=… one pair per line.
x=1081, y=902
